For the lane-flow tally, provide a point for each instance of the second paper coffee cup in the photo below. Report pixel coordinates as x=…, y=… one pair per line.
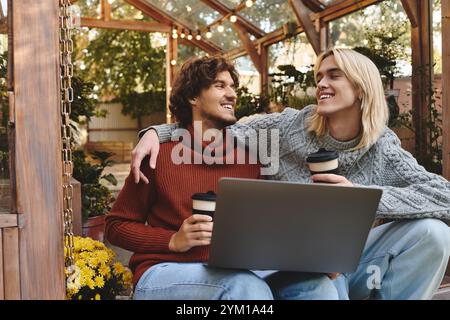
x=323, y=161
x=204, y=203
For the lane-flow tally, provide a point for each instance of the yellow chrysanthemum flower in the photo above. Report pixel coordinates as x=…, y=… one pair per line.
x=99, y=281
x=94, y=270
x=118, y=268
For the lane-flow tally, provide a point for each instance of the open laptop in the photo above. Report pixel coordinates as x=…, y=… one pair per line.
x=288, y=226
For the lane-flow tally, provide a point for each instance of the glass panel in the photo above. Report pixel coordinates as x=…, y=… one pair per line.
x=187, y=52
x=381, y=29
x=123, y=10
x=196, y=15
x=228, y=39
x=193, y=13
x=295, y=51
x=285, y=89
x=4, y=4
x=331, y=2
x=231, y=4
x=437, y=37
x=89, y=8
x=269, y=15
x=248, y=76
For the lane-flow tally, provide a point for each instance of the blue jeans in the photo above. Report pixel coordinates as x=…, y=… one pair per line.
x=401, y=260
x=195, y=281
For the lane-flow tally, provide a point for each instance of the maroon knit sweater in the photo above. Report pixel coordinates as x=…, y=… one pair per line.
x=164, y=204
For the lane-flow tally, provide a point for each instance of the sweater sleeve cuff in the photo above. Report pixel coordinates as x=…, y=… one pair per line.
x=164, y=131
x=166, y=239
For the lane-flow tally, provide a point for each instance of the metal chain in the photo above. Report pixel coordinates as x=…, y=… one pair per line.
x=66, y=49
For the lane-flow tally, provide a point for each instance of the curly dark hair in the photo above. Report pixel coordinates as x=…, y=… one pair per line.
x=195, y=75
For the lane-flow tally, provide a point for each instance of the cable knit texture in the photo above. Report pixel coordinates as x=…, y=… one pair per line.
x=409, y=191
x=145, y=216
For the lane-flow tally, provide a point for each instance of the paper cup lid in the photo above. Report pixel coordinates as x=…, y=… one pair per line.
x=322, y=155
x=208, y=196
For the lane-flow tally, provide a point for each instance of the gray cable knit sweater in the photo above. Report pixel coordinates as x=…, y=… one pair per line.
x=409, y=191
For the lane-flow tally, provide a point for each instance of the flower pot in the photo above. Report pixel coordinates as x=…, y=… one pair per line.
x=94, y=228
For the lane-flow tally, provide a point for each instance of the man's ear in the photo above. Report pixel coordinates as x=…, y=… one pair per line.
x=193, y=101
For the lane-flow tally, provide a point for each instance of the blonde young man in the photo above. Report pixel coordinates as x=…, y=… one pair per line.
x=403, y=259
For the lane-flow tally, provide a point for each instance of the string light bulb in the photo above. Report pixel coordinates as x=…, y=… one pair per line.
x=198, y=36
x=248, y=3
x=173, y=62
x=189, y=37
x=208, y=33
x=220, y=28
x=174, y=35
x=182, y=35
x=233, y=18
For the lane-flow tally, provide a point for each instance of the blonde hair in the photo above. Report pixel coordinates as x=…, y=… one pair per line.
x=365, y=77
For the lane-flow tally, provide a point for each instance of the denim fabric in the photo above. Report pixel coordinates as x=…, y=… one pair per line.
x=195, y=281
x=402, y=260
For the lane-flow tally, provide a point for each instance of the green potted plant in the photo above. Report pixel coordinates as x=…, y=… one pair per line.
x=96, y=198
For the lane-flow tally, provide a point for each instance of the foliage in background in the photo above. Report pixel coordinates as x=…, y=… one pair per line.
x=126, y=67
x=96, y=198
x=96, y=275
x=386, y=18
x=385, y=49
x=84, y=105
x=290, y=87
x=433, y=158
x=3, y=90
x=247, y=103
x=4, y=116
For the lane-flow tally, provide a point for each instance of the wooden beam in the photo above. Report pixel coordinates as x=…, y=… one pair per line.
x=410, y=8
x=330, y=13
x=3, y=27
x=12, y=112
x=105, y=10
x=38, y=148
x=2, y=282
x=422, y=74
x=161, y=16
x=271, y=38
x=315, y=5
x=171, y=55
x=445, y=88
x=264, y=74
x=76, y=207
x=302, y=13
x=11, y=264
x=341, y=9
x=324, y=36
x=8, y=220
x=125, y=25
x=249, y=47
x=241, y=21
